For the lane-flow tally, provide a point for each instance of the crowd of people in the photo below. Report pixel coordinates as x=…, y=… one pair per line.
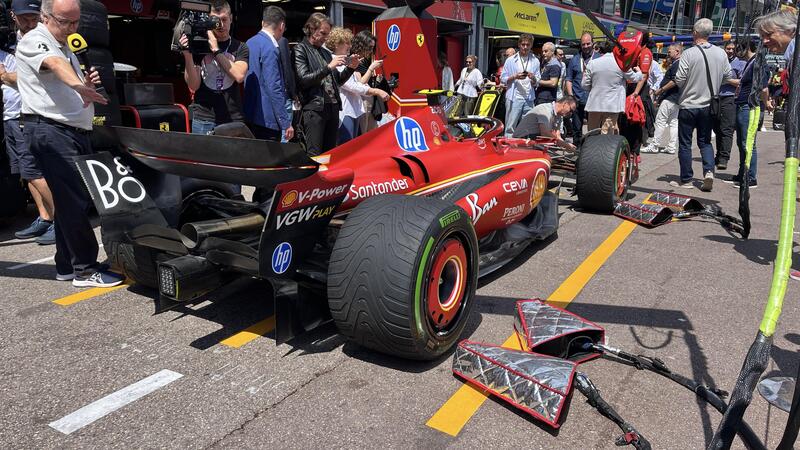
x=328, y=90
x=329, y=78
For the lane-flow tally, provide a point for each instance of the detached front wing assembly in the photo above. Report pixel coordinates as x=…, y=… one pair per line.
x=552, y=331
x=536, y=384
x=662, y=207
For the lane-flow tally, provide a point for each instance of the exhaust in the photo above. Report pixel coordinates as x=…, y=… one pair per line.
x=197, y=232
x=186, y=278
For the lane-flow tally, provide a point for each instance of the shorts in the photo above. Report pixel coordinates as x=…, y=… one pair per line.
x=21, y=159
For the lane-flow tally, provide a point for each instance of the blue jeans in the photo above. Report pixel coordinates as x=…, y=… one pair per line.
x=742, y=122
x=688, y=121
x=518, y=109
x=202, y=126
x=348, y=130
x=206, y=127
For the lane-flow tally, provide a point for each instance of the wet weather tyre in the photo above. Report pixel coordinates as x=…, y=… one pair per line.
x=402, y=275
x=137, y=263
x=602, y=176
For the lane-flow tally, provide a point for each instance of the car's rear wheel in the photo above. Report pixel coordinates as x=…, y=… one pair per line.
x=402, y=275
x=602, y=176
x=137, y=263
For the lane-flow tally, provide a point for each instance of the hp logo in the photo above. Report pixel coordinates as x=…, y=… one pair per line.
x=393, y=37
x=409, y=135
x=282, y=257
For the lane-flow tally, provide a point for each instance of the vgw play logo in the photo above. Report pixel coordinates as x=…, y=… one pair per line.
x=393, y=37
x=409, y=135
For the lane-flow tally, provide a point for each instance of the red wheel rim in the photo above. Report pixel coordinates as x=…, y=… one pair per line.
x=447, y=282
x=622, y=174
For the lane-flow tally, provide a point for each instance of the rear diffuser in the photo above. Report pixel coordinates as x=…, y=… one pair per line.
x=536, y=384
x=552, y=331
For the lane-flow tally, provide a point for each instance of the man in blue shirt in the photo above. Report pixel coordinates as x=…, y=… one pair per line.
x=547, y=89
x=265, y=94
x=573, y=83
x=743, y=97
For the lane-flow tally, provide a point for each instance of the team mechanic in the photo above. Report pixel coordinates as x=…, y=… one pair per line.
x=57, y=114
x=545, y=120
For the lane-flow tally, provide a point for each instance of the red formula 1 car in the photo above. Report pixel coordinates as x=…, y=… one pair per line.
x=386, y=234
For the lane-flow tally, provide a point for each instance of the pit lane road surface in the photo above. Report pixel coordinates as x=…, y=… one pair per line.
x=96, y=369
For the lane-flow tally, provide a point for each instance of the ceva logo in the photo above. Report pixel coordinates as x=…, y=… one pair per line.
x=393, y=37
x=409, y=135
x=282, y=257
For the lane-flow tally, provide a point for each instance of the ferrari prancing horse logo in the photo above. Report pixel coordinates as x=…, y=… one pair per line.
x=420, y=39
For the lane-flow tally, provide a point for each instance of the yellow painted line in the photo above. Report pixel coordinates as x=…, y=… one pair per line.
x=456, y=411
x=87, y=294
x=252, y=332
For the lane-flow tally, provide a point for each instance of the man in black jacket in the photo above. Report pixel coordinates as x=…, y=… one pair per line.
x=318, y=81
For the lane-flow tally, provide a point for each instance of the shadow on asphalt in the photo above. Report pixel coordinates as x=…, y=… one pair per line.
x=761, y=251
x=786, y=360
x=34, y=271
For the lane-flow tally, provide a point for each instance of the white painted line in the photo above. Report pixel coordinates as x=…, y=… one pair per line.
x=38, y=261
x=113, y=402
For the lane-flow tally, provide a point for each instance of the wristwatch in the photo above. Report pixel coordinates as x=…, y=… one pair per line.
x=216, y=52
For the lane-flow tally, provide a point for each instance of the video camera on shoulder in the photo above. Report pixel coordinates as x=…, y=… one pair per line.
x=194, y=21
x=8, y=33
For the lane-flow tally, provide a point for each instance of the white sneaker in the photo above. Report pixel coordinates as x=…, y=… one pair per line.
x=671, y=151
x=649, y=149
x=708, y=182
x=98, y=279
x=64, y=277
x=686, y=185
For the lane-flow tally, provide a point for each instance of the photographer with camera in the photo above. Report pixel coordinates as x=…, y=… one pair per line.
x=25, y=14
x=214, y=73
x=319, y=82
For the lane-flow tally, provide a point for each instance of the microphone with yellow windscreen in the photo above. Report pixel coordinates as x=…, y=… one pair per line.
x=80, y=48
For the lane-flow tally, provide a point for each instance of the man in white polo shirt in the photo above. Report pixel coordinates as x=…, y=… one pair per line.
x=57, y=114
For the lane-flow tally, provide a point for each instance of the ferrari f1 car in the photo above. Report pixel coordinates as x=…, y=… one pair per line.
x=386, y=234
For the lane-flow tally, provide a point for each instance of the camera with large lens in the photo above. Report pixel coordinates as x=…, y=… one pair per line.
x=195, y=22
x=8, y=34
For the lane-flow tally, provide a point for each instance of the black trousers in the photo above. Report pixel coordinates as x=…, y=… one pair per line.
x=321, y=129
x=576, y=122
x=649, y=110
x=724, y=126
x=55, y=148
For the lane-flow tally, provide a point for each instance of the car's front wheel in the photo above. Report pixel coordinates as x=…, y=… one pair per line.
x=403, y=274
x=602, y=176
